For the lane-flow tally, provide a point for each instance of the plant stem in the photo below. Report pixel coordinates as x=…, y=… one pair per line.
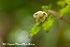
x=54, y=13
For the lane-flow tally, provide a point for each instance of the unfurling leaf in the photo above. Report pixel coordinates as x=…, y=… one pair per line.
x=48, y=23
x=35, y=29
x=45, y=8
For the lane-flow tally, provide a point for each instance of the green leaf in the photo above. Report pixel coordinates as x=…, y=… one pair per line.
x=48, y=23
x=64, y=10
x=68, y=1
x=45, y=8
x=35, y=29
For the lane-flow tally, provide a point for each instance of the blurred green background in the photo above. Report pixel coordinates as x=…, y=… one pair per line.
x=16, y=19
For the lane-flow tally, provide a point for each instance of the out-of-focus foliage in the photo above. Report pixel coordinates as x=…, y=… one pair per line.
x=68, y=1
x=64, y=10
x=60, y=3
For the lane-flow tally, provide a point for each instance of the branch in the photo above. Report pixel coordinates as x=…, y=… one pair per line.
x=56, y=18
x=53, y=12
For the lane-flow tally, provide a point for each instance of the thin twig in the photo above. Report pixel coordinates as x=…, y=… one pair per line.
x=56, y=18
x=53, y=12
x=63, y=18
